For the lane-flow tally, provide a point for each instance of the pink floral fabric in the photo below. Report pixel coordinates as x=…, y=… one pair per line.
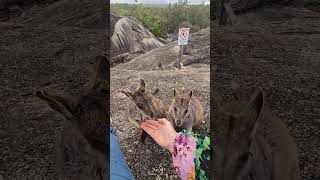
x=183, y=156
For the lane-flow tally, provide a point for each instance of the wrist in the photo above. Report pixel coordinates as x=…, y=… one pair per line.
x=171, y=141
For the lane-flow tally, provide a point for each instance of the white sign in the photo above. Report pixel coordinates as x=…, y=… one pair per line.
x=183, y=36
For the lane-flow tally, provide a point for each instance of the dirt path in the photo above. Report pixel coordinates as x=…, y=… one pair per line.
x=277, y=49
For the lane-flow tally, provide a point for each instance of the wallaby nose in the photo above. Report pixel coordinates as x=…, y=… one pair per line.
x=178, y=122
x=39, y=94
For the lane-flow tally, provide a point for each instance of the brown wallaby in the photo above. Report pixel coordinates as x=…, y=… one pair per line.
x=85, y=126
x=250, y=142
x=144, y=106
x=185, y=111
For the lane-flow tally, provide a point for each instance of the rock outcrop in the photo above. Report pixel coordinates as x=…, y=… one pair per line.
x=197, y=51
x=129, y=35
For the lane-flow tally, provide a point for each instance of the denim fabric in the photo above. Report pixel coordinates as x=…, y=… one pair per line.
x=119, y=169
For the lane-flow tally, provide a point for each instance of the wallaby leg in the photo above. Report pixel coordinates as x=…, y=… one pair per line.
x=60, y=156
x=97, y=160
x=143, y=136
x=101, y=173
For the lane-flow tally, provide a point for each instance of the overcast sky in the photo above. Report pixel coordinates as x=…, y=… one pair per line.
x=158, y=1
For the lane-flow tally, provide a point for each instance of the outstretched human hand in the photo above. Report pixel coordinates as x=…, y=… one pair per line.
x=161, y=131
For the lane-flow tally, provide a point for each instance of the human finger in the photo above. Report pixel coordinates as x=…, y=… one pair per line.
x=152, y=126
x=153, y=122
x=148, y=129
x=162, y=121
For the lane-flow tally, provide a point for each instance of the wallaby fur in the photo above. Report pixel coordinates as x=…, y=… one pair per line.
x=85, y=126
x=185, y=111
x=250, y=142
x=144, y=106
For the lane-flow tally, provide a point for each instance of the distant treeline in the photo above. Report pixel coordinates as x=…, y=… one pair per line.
x=162, y=20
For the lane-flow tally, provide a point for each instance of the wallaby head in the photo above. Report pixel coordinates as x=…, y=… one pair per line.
x=145, y=101
x=144, y=106
x=181, y=105
x=234, y=128
x=86, y=112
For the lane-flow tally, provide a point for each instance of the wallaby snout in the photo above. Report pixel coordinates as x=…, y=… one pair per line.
x=39, y=94
x=178, y=122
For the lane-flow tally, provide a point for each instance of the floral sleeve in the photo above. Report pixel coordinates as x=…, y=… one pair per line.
x=191, y=153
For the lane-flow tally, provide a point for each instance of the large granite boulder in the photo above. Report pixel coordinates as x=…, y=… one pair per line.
x=129, y=35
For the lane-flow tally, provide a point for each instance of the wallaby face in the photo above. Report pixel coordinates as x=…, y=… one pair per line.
x=144, y=106
x=185, y=111
x=234, y=128
x=87, y=112
x=146, y=102
x=143, y=100
x=181, y=106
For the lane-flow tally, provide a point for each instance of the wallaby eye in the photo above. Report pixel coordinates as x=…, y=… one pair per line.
x=140, y=106
x=79, y=108
x=244, y=157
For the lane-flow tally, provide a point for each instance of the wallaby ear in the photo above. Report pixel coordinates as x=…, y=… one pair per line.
x=142, y=86
x=128, y=94
x=101, y=74
x=61, y=104
x=101, y=68
x=100, y=86
x=235, y=86
x=190, y=93
x=257, y=101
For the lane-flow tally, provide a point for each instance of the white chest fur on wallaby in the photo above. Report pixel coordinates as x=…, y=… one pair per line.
x=185, y=111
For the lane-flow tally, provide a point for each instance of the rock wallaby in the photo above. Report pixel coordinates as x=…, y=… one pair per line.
x=85, y=126
x=143, y=106
x=250, y=142
x=185, y=111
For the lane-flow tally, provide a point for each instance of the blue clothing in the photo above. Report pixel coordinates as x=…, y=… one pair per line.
x=119, y=169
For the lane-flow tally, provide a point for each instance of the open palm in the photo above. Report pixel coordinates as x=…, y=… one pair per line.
x=161, y=131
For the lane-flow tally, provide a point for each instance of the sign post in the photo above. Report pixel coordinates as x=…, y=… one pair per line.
x=182, y=40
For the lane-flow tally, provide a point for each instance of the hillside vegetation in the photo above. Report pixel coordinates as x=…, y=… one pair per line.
x=162, y=20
